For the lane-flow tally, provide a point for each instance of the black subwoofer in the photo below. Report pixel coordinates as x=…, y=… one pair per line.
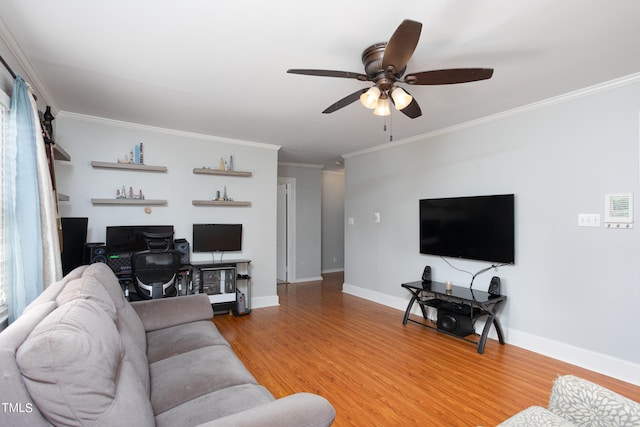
x=455, y=319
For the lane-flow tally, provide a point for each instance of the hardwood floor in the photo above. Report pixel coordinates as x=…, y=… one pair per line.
x=377, y=372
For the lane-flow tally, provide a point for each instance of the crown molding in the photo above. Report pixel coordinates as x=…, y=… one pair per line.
x=301, y=165
x=137, y=126
x=334, y=172
x=31, y=76
x=570, y=96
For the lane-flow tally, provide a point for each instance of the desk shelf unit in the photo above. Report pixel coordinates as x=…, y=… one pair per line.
x=227, y=283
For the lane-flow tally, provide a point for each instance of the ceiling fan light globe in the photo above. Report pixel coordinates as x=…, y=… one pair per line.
x=401, y=99
x=382, y=109
x=370, y=98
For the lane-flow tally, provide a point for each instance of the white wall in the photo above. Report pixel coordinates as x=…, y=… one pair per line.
x=308, y=219
x=573, y=292
x=332, y=221
x=89, y=138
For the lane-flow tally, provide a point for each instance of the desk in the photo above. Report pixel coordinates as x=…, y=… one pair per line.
x=480, y=303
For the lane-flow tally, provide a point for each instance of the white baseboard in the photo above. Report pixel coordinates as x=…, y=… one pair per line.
x=262, y=302
x=333, y=270
x=587, y=359
x=307, y=279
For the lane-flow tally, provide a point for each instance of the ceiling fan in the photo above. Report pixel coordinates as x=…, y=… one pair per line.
x=385, y=64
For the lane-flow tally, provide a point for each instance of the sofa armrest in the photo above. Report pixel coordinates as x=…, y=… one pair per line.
x=296, y=410
x=582, y=402
x=535, y=416
x=163, y=313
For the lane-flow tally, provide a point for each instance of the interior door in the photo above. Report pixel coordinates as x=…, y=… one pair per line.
x=282, y=233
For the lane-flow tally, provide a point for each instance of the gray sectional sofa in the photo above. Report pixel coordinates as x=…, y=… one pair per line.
x=83, y=355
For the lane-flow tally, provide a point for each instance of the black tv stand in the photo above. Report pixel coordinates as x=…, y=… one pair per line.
x=470, y=304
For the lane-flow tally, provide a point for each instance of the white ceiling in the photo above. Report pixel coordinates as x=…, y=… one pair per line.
x=219, y=68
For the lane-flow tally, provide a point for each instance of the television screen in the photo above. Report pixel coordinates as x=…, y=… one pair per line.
x=217, y=237
x=479, y=227
x=130, y=238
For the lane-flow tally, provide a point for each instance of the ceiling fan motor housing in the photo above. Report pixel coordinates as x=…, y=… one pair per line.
x=372, y=60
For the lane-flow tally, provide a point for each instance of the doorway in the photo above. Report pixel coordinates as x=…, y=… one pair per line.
x=285, y=246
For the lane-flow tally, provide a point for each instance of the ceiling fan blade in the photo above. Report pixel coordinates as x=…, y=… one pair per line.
x=330, y=73
x=412, y=110
x=449, y=76
x=345, y=101
x=401, y=45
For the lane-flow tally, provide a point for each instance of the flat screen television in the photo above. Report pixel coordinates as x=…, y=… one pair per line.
x=130, y=238
x=477, y=227
x=217, y=237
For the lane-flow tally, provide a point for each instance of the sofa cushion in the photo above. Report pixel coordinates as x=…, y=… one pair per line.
x=76, y=370
x=180, y=378
x=51, y=292
x=215, y=405
x=127, y=321
x=89, y=287
x=12, y=387
x=180, y=339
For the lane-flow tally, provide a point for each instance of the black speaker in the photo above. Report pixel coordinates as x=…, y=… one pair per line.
x=494, y=286
x=95, y=252
x=74, y=237
x=182, y=246
x=426, y=274
x=455, y=319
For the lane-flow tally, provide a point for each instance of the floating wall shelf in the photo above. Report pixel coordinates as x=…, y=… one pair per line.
x=205, y=171
x=63, y=197
x=128, y=166
x=220, y=203
x=60, y=154
x=129, y=202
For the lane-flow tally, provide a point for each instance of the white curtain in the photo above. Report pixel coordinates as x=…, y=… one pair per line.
x=30, y=242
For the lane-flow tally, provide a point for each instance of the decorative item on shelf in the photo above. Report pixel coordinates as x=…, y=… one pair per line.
x=135, y=156
x=230, y=163
x=123, y=194
x=225, y=197
x=222, y=164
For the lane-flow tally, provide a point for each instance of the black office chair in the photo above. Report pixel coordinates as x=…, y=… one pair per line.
x=155, y=271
